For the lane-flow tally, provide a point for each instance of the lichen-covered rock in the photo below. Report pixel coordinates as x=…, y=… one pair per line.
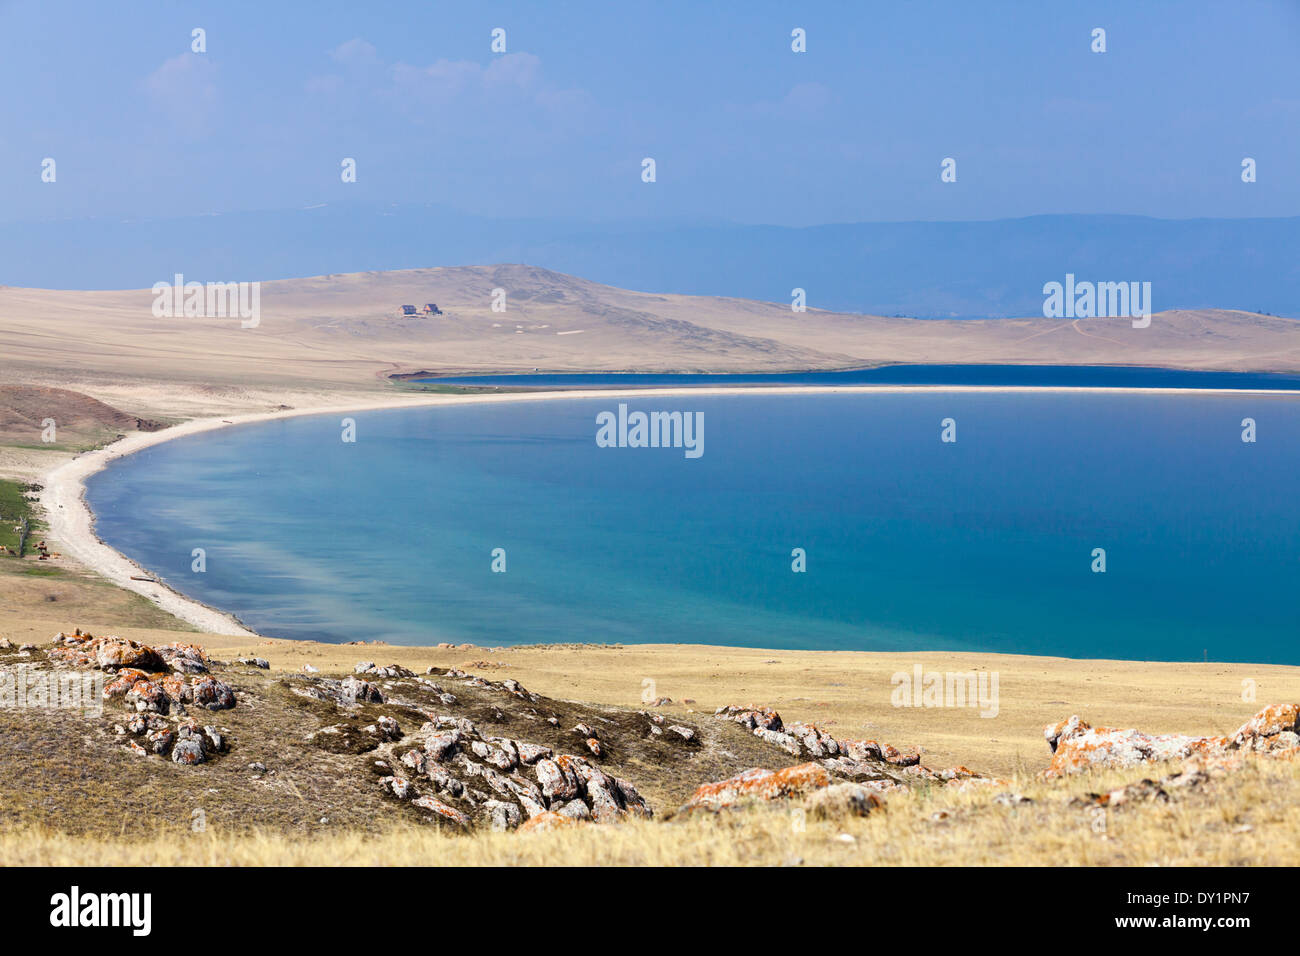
x=601, y=794
x=360, y=691
x=148, y=695
x=557, y=780
x=1269, y=722
x=549, y=820
x=440, y=747
x=1286, y=743
x=188, y=751
x=816, y=742
x=575, y=810
x=176, y=689
x=389, y=672
x=532, y=753
x=441, y=810
x=415, y=761
x=857, y=760
x=841, y=800
x=1084, y=747
x=900, y=758
x=185, y=658
x=215, y=741
x=399, y=787
x=787, y=742
x=114, y=653
x=862, y=749
x=141, y=724
x=212, y=694
x=502, y=816
x=1076, y=745
x=160, y=741
x=758, y=785
x=445, y=782
x=124, y=681
x=752, y=718
x=385, y=728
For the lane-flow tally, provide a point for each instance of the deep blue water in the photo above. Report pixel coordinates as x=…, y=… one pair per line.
x=912, y=543
x=1111, y=376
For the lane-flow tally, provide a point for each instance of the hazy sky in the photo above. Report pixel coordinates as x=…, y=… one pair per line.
x=741, y=128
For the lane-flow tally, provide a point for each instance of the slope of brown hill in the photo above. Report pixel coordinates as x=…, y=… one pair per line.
x=78, y=419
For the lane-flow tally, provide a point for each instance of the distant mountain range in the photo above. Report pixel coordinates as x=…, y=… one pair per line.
x=924, y=269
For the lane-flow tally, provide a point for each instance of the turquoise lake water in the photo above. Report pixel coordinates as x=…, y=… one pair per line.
x=911, y=543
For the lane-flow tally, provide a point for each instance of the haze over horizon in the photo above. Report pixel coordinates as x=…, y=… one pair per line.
x=774, y=169
x=992, y=269
x=743, y=129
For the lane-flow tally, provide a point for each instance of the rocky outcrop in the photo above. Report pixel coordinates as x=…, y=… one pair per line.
x=878, y=766
x=186, y=742
x=157, y=686
x=1076, y=745
x=391, y=671
x=350, y=691
x=499, y=782
x=104, y=653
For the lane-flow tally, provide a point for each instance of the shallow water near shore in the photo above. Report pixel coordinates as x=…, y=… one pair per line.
x=911, y=543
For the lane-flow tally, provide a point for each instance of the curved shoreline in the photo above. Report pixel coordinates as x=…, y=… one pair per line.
x=71, y=522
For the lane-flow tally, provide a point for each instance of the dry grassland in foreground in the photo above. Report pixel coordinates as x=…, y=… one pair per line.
x=1244, y=818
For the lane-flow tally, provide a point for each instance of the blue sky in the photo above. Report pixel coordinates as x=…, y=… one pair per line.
x=742, y=129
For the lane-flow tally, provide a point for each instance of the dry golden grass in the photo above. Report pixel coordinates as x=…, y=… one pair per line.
x=61, y=588
x=1244, y=818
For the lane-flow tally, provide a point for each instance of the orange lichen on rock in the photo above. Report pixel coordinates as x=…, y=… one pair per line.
x=124, y=681
x=547, y=820
x=1272, y=720
x=1078, y=746
x=758, y=784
